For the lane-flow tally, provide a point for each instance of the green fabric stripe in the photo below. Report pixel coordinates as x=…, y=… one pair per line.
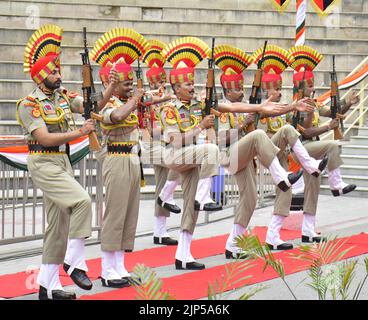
x=75, y=158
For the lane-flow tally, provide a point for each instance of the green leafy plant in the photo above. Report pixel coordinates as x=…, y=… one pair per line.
x=233, y=275
x=333, y=278
x=252, y=246
x=148, y=285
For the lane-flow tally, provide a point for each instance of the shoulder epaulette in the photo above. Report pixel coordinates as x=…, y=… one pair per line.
x=31, y=104
x=30, y=98
x=72, y=94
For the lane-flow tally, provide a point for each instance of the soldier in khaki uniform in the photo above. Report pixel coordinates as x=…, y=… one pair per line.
x=121, y=165
x=153, y=146
x=283, y=135
x=316, y=149
x=182, y=123
x=239, y=150
x=46, y=116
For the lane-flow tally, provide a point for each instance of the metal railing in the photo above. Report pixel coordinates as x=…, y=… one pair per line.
x=22, y=213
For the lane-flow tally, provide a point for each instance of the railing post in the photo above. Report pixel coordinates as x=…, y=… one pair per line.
x=361, y=108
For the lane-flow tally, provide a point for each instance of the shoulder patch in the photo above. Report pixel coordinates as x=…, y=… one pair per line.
x=36, y=112
x=170, y=118
x=223, y=118
x=72, y=94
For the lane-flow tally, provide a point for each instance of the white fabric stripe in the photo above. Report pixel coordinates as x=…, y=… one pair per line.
x=21, y=158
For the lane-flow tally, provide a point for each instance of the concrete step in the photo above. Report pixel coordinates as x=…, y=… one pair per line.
x=211, y=11
x=360, y=181
x=202, y=26
x=353, y=160
x=354, y=170
x=359, y=140
x=247, y=41
x=72, y=71
x=355, y=150
x=359, y=192
x=363, y=132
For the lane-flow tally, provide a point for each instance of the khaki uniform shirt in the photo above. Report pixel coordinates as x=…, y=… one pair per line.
x=38, y=110
x=125, y=131
x=180, y=117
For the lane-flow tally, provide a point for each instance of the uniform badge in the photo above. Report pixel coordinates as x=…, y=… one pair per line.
x=48, y=109
x=36, y=113
x=223, y=118
x=170, y=117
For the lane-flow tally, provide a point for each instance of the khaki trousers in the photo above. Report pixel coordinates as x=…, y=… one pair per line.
x=193, y=163
x=152, y=153
x=317, y=150
x=287, y=135
x=255, y=144
x=68, y=205
x=121, y=174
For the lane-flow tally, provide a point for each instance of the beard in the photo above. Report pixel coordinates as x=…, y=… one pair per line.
x=52, y=85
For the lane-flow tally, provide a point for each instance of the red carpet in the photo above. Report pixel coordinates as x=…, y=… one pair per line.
x=23, y=283
x=194, y=285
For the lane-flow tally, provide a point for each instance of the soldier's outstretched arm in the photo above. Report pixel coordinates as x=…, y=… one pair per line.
x=268, y=108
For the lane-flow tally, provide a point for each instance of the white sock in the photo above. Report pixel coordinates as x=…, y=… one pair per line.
x=108, y=271
x=167, y=192
x=308, y=226
x=183, y=250
x=48, y=277
x=278, y=173
x=74, y=255
x=236, y=231
x=308, y=163
x=120, y=265
x=335, y=180
x=203, y=191
x=159, y=229
x=273, y=231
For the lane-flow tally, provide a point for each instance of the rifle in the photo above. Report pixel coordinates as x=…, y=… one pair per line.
x=90, y=97
x=255, y=96
x=335, y=103
x=211, y=101
x=146, y=101
x=141, y=107
x=300, y=95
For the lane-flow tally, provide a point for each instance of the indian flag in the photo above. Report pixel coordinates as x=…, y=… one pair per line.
x=16, y=155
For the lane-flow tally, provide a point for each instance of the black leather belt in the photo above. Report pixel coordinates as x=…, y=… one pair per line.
x=120, y=148
x=38, y=148
x=169, y=145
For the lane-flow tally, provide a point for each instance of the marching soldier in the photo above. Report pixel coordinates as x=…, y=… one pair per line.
x=46, y=116
x=182, y=122
x=166, y=180
x=316, y=149
x=237, y=154
x=284, y=136
x=121, y=166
